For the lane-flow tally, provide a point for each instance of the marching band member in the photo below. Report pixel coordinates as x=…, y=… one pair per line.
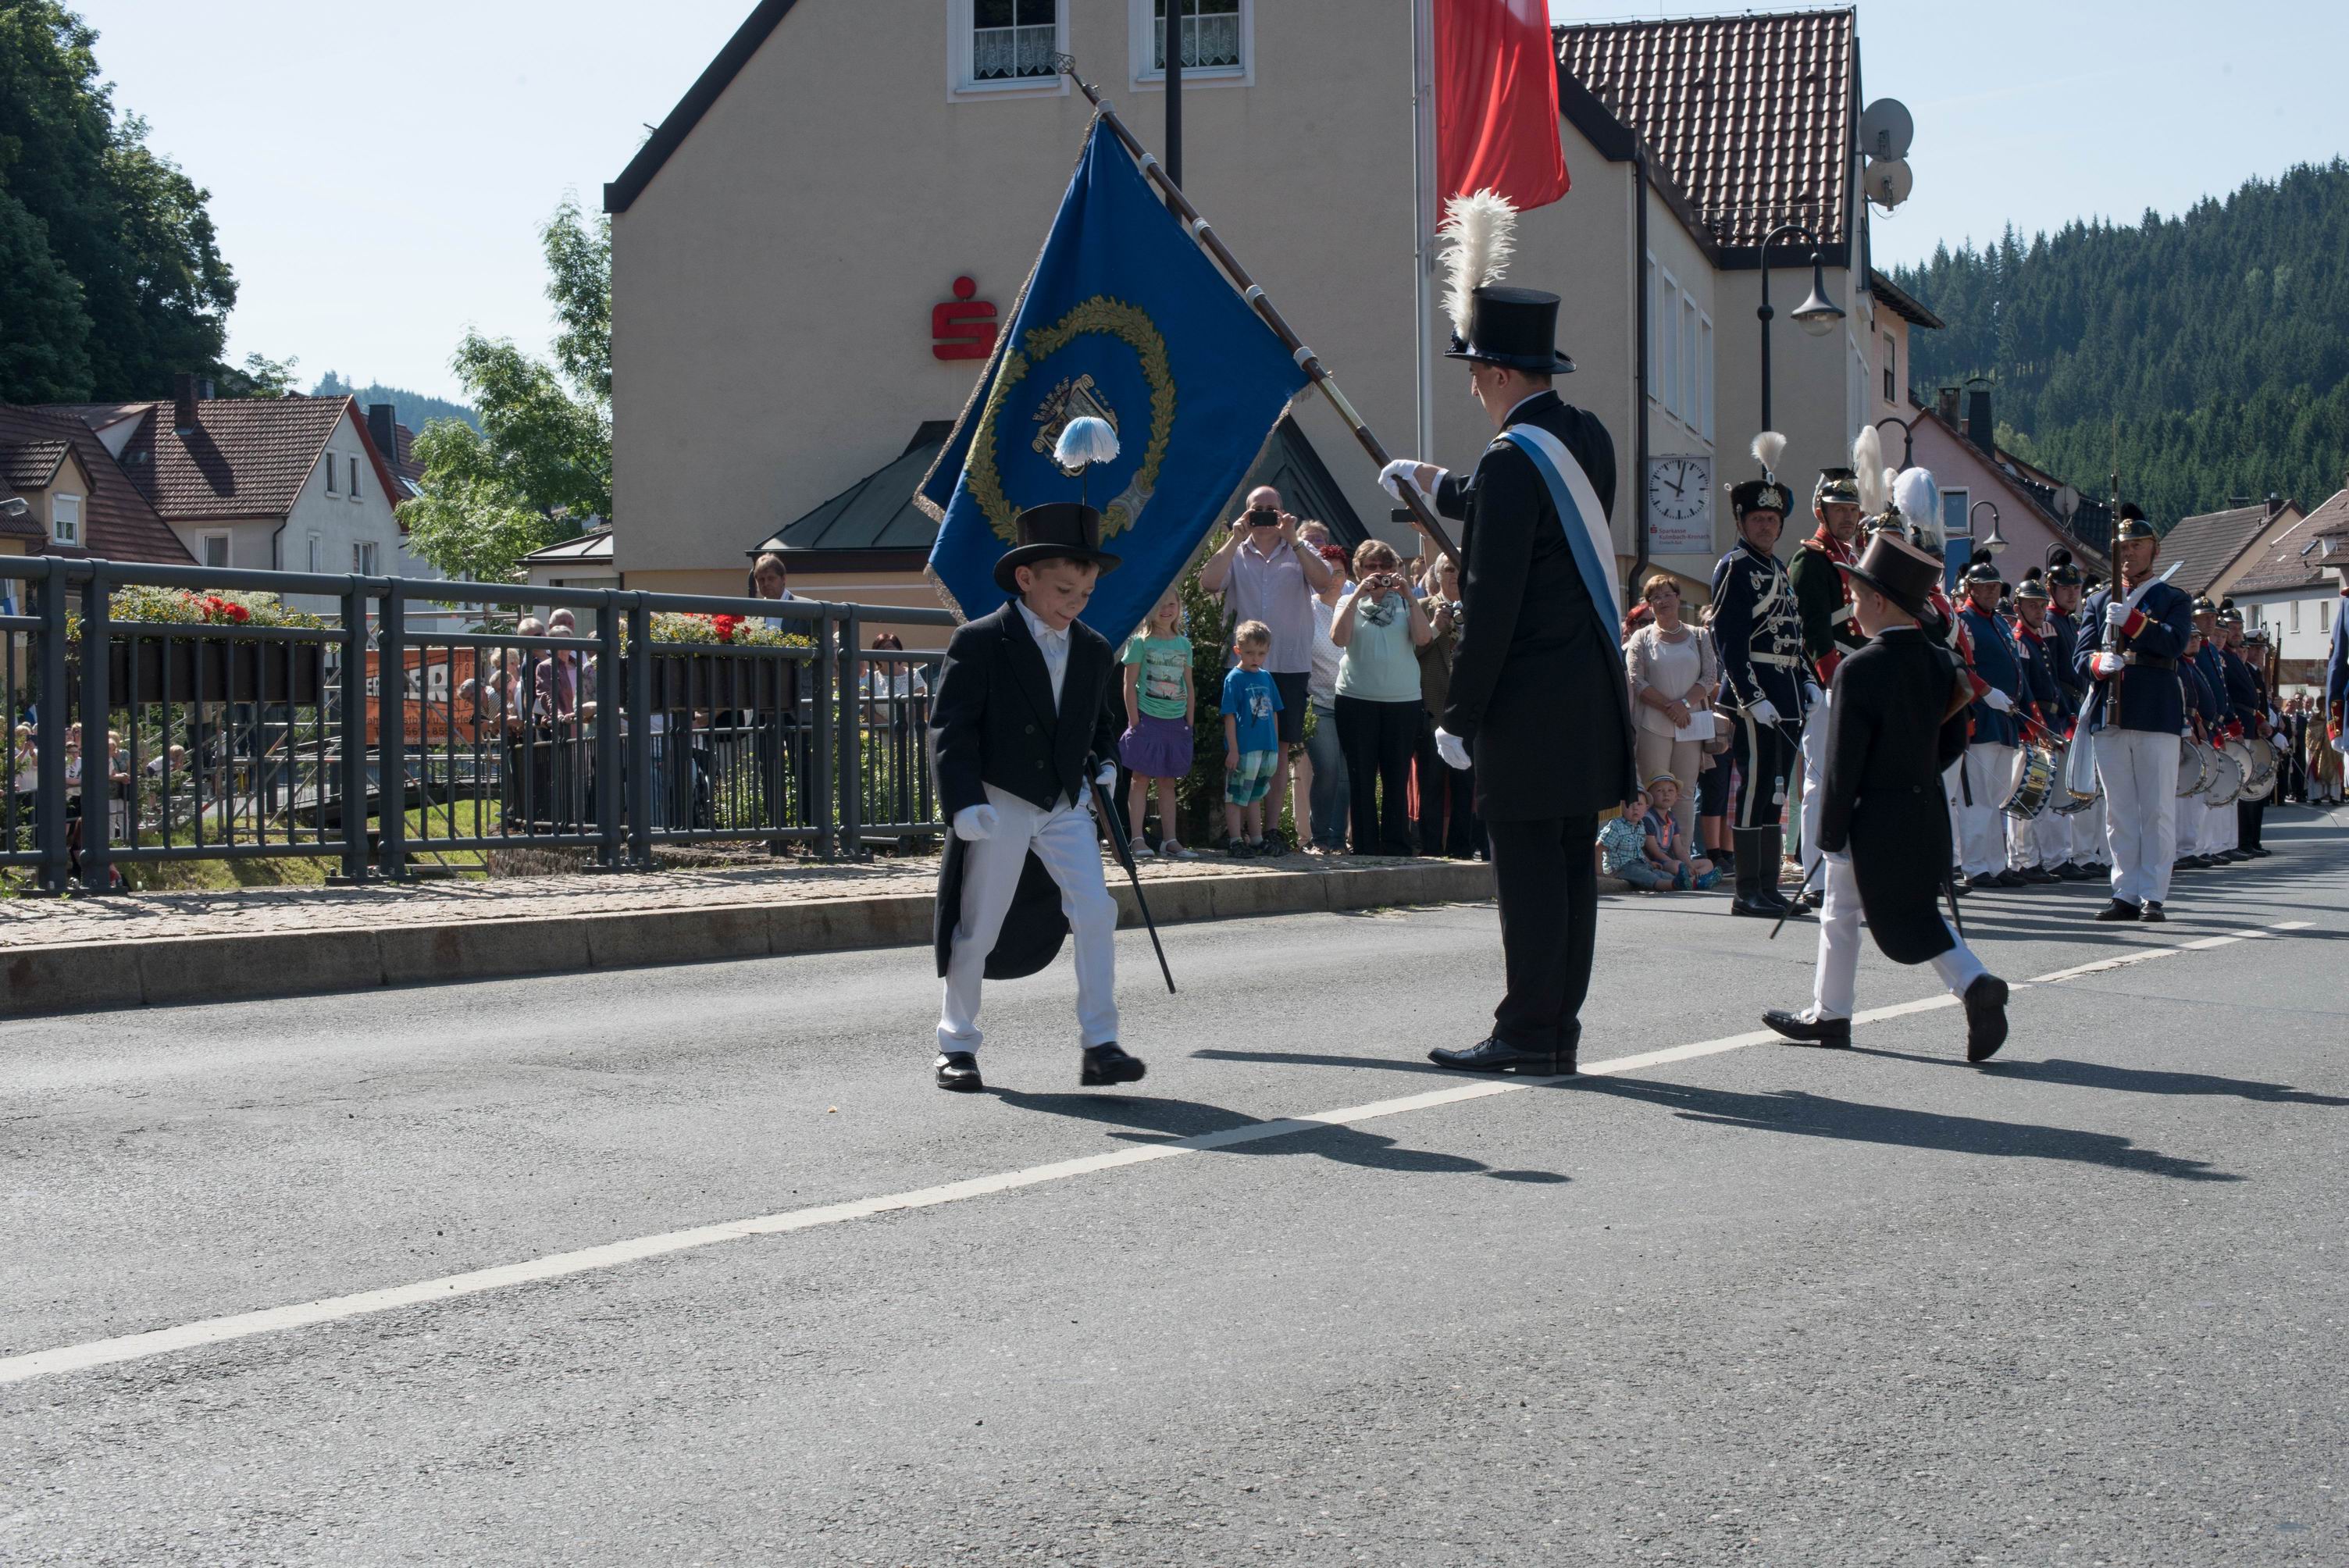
x=2247, y=683
x=2031, y=841
x=1823, y=600
x=1898, y=717
x=1990, y=755
x=2138, y=629
x=2203, y=710
x=1764, y=677
x=2083, y=829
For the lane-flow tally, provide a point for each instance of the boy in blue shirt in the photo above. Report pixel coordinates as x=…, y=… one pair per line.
x=1251, y=740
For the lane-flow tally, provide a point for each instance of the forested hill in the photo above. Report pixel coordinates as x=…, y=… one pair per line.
x=410, y=408
x=2214, y=345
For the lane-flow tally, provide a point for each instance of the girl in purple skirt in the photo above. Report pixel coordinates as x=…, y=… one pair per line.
x=1159, y=711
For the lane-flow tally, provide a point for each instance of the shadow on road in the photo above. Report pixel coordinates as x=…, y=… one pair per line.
x=1819, y=1116
x=1144, y=1120
x=2133, y=1080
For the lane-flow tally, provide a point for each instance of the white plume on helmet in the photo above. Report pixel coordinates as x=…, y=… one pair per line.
x=1868, y=472
x=1918, y=498
x=1483, y=229
x=1768, y=448
x=1085, y=441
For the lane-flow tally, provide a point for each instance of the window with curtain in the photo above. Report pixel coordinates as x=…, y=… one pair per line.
x=1210, y=32
x=1012, y=39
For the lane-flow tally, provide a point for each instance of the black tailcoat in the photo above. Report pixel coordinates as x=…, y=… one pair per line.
x=1537, y=691
x=1888, y=746
x=992, y=722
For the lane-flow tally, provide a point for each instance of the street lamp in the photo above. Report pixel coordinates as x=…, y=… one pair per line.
x=1993, y=541
x=1815, y=315
x=1907, y=438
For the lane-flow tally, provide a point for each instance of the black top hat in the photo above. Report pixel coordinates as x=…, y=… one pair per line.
x=1059, y=530
x=1758, y=495
x=1901, y=572
x=1835, y=485
x=1515, y=327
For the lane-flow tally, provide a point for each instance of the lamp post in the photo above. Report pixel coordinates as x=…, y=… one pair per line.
x=1815, y=315
x=1993, y=541
x=1907, y=438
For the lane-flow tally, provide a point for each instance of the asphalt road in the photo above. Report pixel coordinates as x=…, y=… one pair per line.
x=1751, y=1303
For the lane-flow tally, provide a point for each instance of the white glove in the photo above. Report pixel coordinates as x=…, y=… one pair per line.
x=1405, y=471
x=2116, y=615
x=1107, y=776
x=1449, y=746
x=2107, y=664
x=1763, y=712
x=975, y=822
x=1998, y=701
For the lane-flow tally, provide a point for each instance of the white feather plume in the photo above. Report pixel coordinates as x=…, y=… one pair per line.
x=1918, y=497
x=1483, y=229
x=1768, y=448
x=1868, y=472
x=1085, y=441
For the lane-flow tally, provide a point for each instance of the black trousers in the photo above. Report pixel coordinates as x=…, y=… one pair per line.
x=1764, y=756
x=2250, y=816
x=1547, y=881
x=1447, y=798
x=1377, y=739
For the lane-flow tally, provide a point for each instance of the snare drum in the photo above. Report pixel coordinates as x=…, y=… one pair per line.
x=2033, y=785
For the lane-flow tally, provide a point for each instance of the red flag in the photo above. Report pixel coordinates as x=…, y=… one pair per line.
x=1496, y=101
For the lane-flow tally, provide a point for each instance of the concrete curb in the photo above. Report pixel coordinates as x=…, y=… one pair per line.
x=82, y=976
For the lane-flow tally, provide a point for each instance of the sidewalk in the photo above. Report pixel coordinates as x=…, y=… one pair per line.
x=156, y=949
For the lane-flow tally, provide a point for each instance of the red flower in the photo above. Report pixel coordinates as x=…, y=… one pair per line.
x=725, y=625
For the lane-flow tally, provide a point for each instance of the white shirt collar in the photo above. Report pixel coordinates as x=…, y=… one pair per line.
x=1037, y=627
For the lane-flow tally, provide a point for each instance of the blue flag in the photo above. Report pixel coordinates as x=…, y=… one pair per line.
x=1126, y=319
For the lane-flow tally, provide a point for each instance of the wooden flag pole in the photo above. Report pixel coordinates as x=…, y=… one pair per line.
x=1422, y=516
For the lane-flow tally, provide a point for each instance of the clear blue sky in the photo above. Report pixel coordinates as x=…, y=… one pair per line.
x=378, y=173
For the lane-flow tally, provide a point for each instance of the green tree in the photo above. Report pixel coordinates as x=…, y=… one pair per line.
x=540, y=463
x=118, y=221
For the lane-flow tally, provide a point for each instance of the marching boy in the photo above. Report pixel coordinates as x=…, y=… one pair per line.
x=1897, y=719
x=1022, y=728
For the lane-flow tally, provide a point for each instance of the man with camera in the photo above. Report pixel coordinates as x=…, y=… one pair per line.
x=1265, y=572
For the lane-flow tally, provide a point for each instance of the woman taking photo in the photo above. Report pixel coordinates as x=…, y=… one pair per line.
x=1381, y=627
x=1674, y=673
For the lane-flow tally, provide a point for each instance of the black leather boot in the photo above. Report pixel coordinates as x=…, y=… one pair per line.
x=1749, y=901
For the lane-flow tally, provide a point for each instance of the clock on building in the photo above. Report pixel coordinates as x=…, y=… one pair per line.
x=1680, y=504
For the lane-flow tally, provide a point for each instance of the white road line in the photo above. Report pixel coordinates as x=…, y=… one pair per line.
x=586, y=1260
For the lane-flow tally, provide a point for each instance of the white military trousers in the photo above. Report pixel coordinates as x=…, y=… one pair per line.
x=1838, y=968
x=1990, y=770
x=1064, y=839
x=2139, y=768
x=1815, y=778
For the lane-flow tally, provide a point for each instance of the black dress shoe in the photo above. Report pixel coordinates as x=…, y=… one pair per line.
x=2073, y=871
x=2010, y=879
x=2120, y=909
x=2152, y=914
x=2261, y=852
x=1985, y=882
x=1833, y=1033
x=1754, y=909
x=1500, y=1056
x=2036, y=876
x=958, y=1071
x=1109, y=1064
x=1985, y=1002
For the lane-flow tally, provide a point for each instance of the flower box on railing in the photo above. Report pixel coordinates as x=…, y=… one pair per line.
x=698, y=681
x=207, y=669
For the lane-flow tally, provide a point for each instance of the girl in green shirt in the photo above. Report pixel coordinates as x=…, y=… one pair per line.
x=1159, y=708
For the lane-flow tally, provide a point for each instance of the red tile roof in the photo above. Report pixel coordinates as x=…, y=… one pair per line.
x=2203, y=547
x=117, y=523
x=1751, y=115
x=30, y=465
x=246, y=457
x=2290, y=562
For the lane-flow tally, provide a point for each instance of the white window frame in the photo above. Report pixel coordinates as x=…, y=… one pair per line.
x=65, y=530
x=1655, y=330
x=1705, y=371
x=1668, y=305
x=2295, y=614
x=2325, y=614
x=329, y=466
x=1691, y=379
x=355, y=476
x=962, y=86
x=227, y=544
x=317, y=549
x=1141, y=20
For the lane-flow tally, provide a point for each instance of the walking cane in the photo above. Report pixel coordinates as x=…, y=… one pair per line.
x=1799, y=891
x=1125, y=858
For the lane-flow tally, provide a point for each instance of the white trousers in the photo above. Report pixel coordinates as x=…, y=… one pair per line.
x=2139, y=768
x=2044, y=841
x=2193, y=824
x=1814, y=776
x=1063, y=839
x=2221, y=829
x=2088, y=834
x=1990, y=769
x=1838, y=968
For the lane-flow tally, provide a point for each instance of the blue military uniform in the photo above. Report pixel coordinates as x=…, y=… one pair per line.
x=2335, y=716
x=2136, y=716
x=1757, y=632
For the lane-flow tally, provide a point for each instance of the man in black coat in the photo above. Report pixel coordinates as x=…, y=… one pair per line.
x=1896, y=719
x=1537, y=700
x=1022, y=728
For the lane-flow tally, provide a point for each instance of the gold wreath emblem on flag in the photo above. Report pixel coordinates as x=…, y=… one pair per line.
x=1109, y=318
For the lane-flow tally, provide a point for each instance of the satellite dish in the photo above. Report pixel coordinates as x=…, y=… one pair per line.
x=1887, y=181
x=1885, y=130
x=2068, y=502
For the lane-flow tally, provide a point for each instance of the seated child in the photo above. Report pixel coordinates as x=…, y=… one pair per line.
x=1622, y=848
x=1665, y=850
